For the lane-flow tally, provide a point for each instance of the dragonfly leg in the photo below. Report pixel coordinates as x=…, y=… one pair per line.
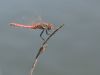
x=47, y=32
x=41, y=35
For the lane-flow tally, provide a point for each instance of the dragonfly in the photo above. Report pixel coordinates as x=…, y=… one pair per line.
x=44, y=26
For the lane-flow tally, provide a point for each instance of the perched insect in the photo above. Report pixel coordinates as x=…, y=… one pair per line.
x=44, y=26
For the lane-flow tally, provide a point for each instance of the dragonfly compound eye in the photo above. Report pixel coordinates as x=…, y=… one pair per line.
x=45, y=26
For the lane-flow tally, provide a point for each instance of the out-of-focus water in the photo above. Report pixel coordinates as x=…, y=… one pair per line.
x=74, y=50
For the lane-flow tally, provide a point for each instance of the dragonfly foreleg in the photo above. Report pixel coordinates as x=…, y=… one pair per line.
x=47, y=32
x=41, y=35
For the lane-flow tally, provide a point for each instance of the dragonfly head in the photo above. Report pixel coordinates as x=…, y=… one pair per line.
x=45, y=26
x=48, y=26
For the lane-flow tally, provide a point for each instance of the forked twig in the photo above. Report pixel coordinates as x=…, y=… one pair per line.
x=43, y=48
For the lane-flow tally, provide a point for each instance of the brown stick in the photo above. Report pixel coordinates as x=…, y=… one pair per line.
x=42, y=49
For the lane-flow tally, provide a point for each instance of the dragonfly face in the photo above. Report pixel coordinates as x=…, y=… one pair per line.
x=47, y=26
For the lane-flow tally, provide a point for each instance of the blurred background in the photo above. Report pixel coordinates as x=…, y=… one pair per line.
x=74, y=50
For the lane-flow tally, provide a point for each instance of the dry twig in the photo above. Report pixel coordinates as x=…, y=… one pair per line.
x=42, y=49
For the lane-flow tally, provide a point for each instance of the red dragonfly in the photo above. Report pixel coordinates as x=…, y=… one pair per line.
x=44, y=26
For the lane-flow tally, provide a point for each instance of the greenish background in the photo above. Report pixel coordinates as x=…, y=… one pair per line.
x=74, y=50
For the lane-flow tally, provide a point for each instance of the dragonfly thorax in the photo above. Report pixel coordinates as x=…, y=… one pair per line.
x=46, y=26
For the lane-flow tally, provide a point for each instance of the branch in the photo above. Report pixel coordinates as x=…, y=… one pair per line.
x=43, y=48
x=52, y=34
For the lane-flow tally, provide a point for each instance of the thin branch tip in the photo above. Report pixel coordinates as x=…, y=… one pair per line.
x=43, y=48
